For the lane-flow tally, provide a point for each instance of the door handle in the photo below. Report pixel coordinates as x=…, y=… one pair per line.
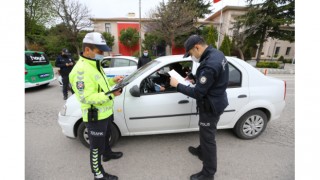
x=183, y=102
x=242, y=96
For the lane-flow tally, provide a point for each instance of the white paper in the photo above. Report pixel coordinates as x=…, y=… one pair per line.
x=178, y=77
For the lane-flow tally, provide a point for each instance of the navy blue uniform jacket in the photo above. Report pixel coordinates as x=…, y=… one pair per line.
x=212, y=78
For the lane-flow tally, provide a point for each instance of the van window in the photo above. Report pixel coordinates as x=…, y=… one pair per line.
x=34, y=59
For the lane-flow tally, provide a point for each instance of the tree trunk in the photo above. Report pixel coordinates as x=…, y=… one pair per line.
x=261, y=43
x=241, y=53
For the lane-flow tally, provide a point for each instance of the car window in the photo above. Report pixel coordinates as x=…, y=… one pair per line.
x=234, y=76
x=133, y=63
x=159, y=81
x=106, y=62
x=34, y=59
x=139, y=72
x=121, y=62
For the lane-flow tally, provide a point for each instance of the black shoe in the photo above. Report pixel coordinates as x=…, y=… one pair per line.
x=200, y=176
x=65, y=97
x=107, y=177
x=194, y=151
x=112, y=155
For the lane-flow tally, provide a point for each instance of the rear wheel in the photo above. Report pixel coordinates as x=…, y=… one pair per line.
x=251, y=124
x=84, y=137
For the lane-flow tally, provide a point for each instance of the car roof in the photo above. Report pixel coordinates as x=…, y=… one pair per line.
x=178, y=58
x=30, y=51
x=124, y=57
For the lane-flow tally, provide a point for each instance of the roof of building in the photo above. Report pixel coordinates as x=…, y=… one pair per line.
x=226, y=8
x=121, y=19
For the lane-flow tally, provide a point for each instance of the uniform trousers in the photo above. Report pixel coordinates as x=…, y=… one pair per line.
x=208, y=127
x=99, y=134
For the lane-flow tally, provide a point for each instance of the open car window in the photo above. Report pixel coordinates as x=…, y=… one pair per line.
x=159, y=81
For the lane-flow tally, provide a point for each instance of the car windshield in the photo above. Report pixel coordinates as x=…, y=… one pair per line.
x=138, y=72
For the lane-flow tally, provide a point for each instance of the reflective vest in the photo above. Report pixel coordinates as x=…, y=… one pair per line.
x=90, y=84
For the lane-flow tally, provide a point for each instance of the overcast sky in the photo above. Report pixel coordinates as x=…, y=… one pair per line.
x=120, y=8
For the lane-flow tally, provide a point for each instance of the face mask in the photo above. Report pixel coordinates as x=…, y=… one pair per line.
x=195, y=59
x=145, y=54
x=98, y=57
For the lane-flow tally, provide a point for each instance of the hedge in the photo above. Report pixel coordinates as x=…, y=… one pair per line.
x=267, y=65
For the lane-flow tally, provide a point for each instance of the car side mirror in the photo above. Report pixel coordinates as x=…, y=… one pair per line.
x=135, y=91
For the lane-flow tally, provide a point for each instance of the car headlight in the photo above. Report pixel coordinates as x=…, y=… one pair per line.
x=63, y=110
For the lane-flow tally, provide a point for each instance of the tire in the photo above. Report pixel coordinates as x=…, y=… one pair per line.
x=84, y=138
x=251, y=125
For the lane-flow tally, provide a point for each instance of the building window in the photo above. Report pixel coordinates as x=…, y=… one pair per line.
x=288, y=50
x=277, y=51
x=108, y=27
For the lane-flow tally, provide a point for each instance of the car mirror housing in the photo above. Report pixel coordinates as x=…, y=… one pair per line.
x=135, y=91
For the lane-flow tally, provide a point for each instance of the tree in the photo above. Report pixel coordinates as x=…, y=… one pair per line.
x=210, y=35
x=171, y=20
x=75, y=16
x=36, y=16
x=129, y=37
x=225, y=45
x=268, y=19
x=109, y=39
x=201, y=7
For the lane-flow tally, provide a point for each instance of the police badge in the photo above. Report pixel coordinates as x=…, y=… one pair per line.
x=80, y=85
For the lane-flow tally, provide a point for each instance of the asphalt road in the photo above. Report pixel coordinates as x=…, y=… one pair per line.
x=50, y=155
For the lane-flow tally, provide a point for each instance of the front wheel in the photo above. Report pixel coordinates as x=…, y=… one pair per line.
x=84, y=137
x=251, y=124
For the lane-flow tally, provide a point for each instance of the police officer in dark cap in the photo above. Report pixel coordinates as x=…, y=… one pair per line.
x=66, y=63
x=211, y=80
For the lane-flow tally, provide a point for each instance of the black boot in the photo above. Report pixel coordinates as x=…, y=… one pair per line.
x=107, y=176
x=200, y=176
x=112, y=155
x=195, y=151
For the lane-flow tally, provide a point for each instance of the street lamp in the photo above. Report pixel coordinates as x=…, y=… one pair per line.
x=140, y=28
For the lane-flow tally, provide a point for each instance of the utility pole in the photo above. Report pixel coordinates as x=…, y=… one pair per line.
x=140, y=28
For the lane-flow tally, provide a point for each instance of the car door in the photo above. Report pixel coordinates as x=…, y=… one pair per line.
x=157, y=112
x=238, y=96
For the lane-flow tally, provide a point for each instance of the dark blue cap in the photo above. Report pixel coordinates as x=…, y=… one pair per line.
x=190, y=42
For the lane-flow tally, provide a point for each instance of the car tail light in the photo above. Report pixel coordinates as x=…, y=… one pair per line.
x=25, y=71
x=285, y=90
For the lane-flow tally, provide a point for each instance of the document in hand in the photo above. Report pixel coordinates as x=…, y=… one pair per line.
x=179, y=78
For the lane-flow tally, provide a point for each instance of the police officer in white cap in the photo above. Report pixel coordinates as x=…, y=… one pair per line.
x=92, y=90
x=211, y=80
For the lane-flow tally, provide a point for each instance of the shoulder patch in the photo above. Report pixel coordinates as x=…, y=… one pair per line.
x=203, y=80
x=80, y=85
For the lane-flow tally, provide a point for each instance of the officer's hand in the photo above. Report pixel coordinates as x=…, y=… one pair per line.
x=117, y=93
x=174, y=82
x=117, y=79
x=190, y=80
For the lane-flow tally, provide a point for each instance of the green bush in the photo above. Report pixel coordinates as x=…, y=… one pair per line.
x=281, y=59
x=53, y=63
x=267, y=65
x=287, y=61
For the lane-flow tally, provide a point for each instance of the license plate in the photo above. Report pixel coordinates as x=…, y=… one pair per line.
x=44, y=75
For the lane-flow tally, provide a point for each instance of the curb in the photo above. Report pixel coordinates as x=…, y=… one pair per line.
x=276, y=71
